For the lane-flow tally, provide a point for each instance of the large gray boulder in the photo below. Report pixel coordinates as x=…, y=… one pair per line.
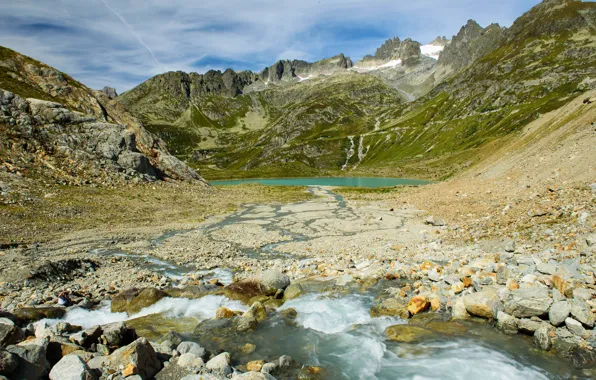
x=529, y=302
x=273, y=279
x=558, y=312
x=9, y=333
x=483, y=304
x=191, y=348
x=31, y=357
x=220, y=363
x=581, y=311
x=71, y=367
x=140, y=354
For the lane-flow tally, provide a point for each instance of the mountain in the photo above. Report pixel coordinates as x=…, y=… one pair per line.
x=55, y=127
x=410, y=109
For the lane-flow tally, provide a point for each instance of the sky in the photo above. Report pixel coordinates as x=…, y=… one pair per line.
x=121, y=43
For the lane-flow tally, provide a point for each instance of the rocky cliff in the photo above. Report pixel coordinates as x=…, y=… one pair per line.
x=74, y=133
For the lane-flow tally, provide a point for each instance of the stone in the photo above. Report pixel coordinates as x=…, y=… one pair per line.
x=285, y=361
x=591, y=239
x=256, y=311
x=457, y=287
x=528, y=302
x=543, y=337
x=248, y=348
x=190, y=360
x=133, y=300
x=246, y=289
x=482, y=304
x=269, y=367
x=293, y=291
x=130, y=370
x=528, y=326
x=407, y=333
x=141, y=354
x=246, y=324
x=42, y=330
x=576, y=328
x=502, y=274
x=34, y=314
x=116, y=335
x=545, y=268
x=418, y=304
x=510, y=246
x=71, y=367
x=390, y=307
x=255, y=365
x=220, y=363
x=60, y=347
x=434, y=276
x=223, y=313
x=254, y=376
x=560, y=284
x=272, y=280
x=565, y=343
x=558, y=312
x=8, y=362
x=583, y=293
x=459, y=310
x=31, y=357
x=434, y=221
x=9, y=333
x=581, y=311
x=191, y=348
x=506, y=323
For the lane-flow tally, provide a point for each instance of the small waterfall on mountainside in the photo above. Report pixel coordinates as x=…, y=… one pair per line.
x=350, y=153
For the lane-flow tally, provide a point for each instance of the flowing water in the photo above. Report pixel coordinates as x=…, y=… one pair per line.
x=333, y=329
x=371, y=182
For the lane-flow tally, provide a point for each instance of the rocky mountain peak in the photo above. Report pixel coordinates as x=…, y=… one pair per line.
x=110, y=92
x=440, y=41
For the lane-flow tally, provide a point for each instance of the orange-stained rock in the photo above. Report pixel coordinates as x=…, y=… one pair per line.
x=467, y=281
x=224, y=313
x=560, y=283
x=418, y=304
x=130, y=370
x=255, y=365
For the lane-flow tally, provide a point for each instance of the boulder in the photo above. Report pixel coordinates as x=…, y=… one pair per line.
x=71, y=367
x=559, y=311
x=565, y=343
x=528, y=302
x=482, y=304
x=390, y=307
x=191, y=348
x=31, y=358
x=117, y=334
x=8, y=362
x=223, y=313
x=407, y=333
x=256, y=311
x=133, y=300
x=255, y=365
x=581, y=311
x=528, y=326
x=502, y=274
x=576, y=328
x=34, y=314
x=220, y=363
x=246, y=289
x=506, y=323
x=272, y=280
x=190, y=360
x=139, y=353
x=418, y=304
x=293, y=291
x=543, y=337
x=9, y=333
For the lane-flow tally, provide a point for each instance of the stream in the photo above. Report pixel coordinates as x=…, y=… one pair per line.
x=333, y=327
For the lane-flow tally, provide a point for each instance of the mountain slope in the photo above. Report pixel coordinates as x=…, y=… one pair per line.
x=54, y=126
x=487, y=83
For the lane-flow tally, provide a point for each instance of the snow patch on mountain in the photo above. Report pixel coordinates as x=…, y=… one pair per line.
x=431, y=50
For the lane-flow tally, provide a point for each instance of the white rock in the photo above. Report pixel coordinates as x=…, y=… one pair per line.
x=71, y=367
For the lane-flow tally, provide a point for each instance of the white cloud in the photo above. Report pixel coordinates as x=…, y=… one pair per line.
x=120, y=43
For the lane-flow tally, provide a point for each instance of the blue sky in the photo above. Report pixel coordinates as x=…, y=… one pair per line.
x=121, y=43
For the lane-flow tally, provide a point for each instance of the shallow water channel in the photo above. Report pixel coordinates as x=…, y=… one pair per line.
x=333, y=328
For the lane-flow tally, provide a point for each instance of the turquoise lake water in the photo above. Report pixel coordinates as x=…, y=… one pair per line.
x=371, y=182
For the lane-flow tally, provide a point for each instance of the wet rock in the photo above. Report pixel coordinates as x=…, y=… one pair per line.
x=293, y=291
x=245, y=290
x=220, y=363
x=223, y=313
x=256, y=311
x=506, y=323
x=407, y=333
x=34, y=314
x=255, y=365
x=418, y=304
x=246, y=324
x=269, y=367
x=132, y=301
x=140, y=354
x=9, y=333
x=248, y=348
x=8, y=362
x=390, y=307
x=581, y=311
x=528, y=302
x=558, y=312
x=482, y=304
x=447, y=328
x=191, y=348
x=564, y=342
x=31, y=358
x=190, y=360
x=543, y=337
x=71, y=367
